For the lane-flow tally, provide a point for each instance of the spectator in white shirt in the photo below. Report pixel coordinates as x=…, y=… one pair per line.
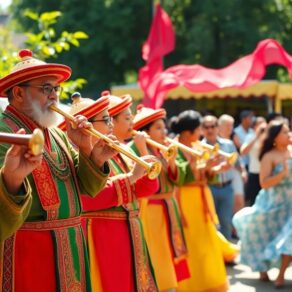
x=251, y=147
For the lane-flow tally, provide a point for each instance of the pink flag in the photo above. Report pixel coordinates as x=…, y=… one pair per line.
x=242, y=73
x=160, y=41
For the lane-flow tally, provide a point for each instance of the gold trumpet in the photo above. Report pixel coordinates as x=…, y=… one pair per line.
x=215, y=149
x=153, y=169
x=34, y=141
x=169, y=151
x=204, y=155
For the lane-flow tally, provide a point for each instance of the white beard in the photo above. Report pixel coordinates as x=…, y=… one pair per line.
x=44, y=117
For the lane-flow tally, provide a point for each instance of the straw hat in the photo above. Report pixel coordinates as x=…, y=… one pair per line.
x=145, y=116
x=30, y=68
x=117, y=104
x=87, y=107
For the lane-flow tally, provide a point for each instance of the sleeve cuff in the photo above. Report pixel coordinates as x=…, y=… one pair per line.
x=98, y=172
x=125, y=191
x=16, y=203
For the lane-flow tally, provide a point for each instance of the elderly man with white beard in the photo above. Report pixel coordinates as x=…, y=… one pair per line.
x=48, y=252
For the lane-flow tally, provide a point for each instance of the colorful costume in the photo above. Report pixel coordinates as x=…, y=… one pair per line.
x=161, y=218
x=118, y=254
x=206, y=246
x=48, y=252
x=13, y=209
x=265, y=229
x=53, y=223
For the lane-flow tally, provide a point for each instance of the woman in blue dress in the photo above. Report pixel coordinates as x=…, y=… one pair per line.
x=265, y=229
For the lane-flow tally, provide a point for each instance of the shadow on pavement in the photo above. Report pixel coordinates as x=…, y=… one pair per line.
x=243, y=279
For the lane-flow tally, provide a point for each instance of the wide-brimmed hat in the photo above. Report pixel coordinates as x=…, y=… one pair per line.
x=87, y=107
x=145, y=116
x=30, y=68
x=117, y=104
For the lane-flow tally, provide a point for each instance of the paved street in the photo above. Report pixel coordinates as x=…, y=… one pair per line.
x=242, y=279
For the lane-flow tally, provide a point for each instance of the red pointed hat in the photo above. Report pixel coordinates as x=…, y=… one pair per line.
x=145, y=116
x=117, y=104
x=87, y=107
x=30, y=68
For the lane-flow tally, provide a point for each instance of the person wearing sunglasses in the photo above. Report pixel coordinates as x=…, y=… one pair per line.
x=220, y=178
x=48, y=251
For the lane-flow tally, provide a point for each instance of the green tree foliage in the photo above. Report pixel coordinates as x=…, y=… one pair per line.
x=213, y=33
x=45, y=44
x=116, y=31
x=8, y=56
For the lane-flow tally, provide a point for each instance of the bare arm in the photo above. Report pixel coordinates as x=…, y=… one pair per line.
x=246, y=147
x=236, y=141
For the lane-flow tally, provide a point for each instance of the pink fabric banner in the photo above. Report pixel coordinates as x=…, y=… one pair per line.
x=242, y=73
x=160, y=41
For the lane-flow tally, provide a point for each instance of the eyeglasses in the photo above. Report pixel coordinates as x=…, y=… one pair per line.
x=107, y=120
x=209, y=127
x=47, y=88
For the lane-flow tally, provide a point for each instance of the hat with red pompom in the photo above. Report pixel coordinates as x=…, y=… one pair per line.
x=87, y=107
x=117, y=104
x=30, y=68
x=146, y=115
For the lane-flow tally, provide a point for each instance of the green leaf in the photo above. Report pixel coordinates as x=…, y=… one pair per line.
x=75, y=42
x=52, y=32
x=49, y=16
x=64, y=34
x=80, y=35
x=49, y=51
x=66, y=46
x=32, y=15
x=58, y=48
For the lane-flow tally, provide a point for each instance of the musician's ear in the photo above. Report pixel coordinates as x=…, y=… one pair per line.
x=18, y=93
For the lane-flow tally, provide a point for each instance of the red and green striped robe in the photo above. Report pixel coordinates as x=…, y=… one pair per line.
x=116, y=238
x=48, y=252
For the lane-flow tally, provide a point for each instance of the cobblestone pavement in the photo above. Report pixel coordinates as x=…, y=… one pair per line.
x=242, y=279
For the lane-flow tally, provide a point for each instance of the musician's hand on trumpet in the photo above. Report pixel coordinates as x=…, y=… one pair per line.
x=171, y=152
x=166, y=149
x=138, y=170
x=139, y=139
x=215, y=150
x=92, y=147
x=101, y=151
x=79, y=137
x=153, y=169
x=19, y=163
x=212, y=162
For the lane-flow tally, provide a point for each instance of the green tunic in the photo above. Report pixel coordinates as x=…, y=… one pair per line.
x=54, y=215
x=13, y=209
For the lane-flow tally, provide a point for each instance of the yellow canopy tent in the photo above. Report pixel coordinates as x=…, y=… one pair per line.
x=272, y=89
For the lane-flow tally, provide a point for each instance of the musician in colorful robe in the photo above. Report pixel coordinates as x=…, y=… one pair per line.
x=118, y=253
x=206, y=246
x=48, y=253
x=160, y=213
